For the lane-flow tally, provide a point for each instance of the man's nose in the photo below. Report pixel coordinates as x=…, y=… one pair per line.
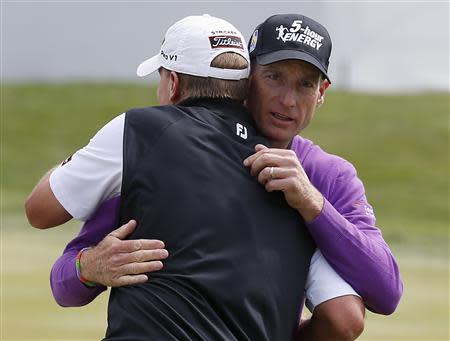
x=289, y=97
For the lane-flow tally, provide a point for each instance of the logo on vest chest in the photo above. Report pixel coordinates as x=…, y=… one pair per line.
x=241, y=131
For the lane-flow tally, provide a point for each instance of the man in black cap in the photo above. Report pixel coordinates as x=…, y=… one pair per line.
x=290, y=57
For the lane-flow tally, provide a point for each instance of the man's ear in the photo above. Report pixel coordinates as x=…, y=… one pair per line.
x=174, y=87
x=323, y=87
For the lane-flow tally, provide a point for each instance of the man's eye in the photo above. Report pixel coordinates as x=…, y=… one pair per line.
x=273, y=76
x=307, y=84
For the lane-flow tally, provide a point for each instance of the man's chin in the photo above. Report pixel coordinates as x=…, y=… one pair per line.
x=278, y=140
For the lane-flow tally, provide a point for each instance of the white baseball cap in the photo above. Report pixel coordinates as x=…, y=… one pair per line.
x=192, y=43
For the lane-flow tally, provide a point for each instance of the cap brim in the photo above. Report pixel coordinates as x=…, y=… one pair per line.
x=149, y=66
x=279, y=55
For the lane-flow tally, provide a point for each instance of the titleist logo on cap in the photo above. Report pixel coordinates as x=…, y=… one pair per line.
x=226, y=41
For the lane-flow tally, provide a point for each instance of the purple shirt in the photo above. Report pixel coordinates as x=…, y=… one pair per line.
x=345, y=232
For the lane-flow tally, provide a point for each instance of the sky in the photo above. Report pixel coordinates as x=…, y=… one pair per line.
x=387, y=46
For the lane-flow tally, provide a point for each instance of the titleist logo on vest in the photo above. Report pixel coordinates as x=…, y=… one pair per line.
x=226, y=41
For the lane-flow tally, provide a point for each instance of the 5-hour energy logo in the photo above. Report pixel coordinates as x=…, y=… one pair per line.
x=301, y=34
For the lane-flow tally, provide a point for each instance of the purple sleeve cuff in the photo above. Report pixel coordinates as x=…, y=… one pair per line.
x=360, y=256
x=67, y=289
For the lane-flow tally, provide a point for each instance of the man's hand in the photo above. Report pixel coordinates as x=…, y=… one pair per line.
x=115, y=262
x=280, y=170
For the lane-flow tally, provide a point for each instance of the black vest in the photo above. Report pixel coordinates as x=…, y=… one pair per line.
x=239, y=256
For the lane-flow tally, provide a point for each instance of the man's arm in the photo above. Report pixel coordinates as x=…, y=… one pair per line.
x=340, y=222
x=341, y=318
x=345, y=231
x=80, y=184
x=42, y=208
x=67, y=288
x=113, y=262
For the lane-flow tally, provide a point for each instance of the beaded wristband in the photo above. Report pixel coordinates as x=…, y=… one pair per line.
x=77, y=267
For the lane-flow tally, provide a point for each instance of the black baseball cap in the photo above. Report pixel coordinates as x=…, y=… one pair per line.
x=291, y=36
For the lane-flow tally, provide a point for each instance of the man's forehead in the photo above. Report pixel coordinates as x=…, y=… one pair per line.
x=293, y=64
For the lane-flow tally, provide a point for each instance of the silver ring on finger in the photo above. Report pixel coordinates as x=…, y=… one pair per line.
x=271, y=174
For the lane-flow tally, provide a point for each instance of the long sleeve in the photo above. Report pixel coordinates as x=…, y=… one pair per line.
x=67, y=289
x=360, y=255
x=346, y=233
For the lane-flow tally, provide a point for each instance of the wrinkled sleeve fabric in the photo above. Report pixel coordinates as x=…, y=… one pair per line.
x=67, y=289
x=347, y=235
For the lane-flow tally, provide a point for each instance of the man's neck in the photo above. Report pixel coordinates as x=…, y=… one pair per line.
x=280, y=145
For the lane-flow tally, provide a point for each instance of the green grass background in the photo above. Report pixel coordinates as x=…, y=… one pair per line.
x=398, y=143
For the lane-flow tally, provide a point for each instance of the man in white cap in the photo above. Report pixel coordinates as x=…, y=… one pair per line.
x=239, y=256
